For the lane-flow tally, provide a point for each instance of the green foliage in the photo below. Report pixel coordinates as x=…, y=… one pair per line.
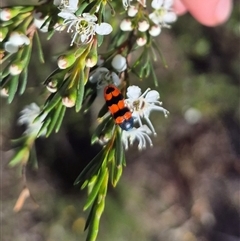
x=105, y=167
x=80, y=76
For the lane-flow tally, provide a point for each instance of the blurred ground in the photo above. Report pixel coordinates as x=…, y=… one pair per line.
x=185, y=188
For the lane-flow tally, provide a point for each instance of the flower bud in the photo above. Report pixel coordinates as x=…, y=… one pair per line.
x=119, y=63
x=4, y=92
x=65, y=61
x=92, y=57
x=155, y=30
x=16, y=68
x=8, y=13
x=52, y=86
x=141, y=41
x=132, y=11
x=126, y=25
x=90, y=62
x=70, y=99
x=3, y=33
x=143, y=26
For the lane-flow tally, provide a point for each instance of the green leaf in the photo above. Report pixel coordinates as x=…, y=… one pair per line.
x=95, y=189
x=91, y=214
x=43, y=128
x=60, y=119
x=21, y=155
x=117, y=160
x=97, y=159
x=81, y=49
x=89, y=102
x=91, y=7
x=100, y=39
x=101, y=128
x=119, y=154
x=33, y=157
x=112, y=162
x=91, y=183
x=13, y=85
x=19, y=141
x=117, y=175
x=98, y=208
x=81, y=8
x=39, y=46
x=4, y=81
x=154, y=76
x=51, y=102
x=23, y=83
x=50, y=34
x=80, y=92
x=54, y=118
x=55, y=72
x=5, y=71
x=160, y=54
x=103, y=111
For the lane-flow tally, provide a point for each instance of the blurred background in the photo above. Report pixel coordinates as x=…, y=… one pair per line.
x=185, y=188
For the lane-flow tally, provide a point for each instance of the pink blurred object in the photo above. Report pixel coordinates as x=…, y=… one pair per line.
x=207, y=12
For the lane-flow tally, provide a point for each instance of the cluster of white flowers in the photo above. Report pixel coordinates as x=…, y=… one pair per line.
x=162, y=16
x=141, y=105
x=84, y=26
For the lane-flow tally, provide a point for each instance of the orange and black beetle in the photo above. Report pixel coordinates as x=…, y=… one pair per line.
x=120, y=112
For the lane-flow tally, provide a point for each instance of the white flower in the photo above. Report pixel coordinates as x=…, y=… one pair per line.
x=119, y=63
x=16, y=40
x=141, y=105
x=27, y=117
x=163, y=13
x=102, y=76
x=141, y=134
x=83, y=26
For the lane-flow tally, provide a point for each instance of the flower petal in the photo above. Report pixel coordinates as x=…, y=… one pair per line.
x=10, y=47
x=133, y=92
x=170, y=17
x=168, y=4
x=152, y=96
x=119, y=63
x=66, y=14
x=89, y=17
x=156, y=4
x=103, y=29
